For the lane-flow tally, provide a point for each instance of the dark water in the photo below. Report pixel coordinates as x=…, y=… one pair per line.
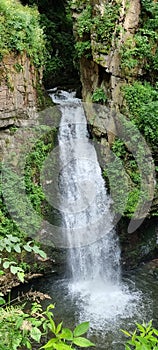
x=73, y=307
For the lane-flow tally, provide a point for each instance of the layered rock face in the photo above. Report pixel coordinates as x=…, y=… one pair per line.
x=18, y=95
x=104, y=67
x=114, y=46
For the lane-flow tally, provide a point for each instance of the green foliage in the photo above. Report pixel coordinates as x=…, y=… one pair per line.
x=64, y=338
x=23, y=329
x=13, y=238
x=99, y=96
x=118, y=148
x=84, y=22
x=145, y=337
x=125, y=171
x=56, y=21
x=83, y=48
x=15, y=246
x=120, y=190
x=141, y=51
x=18, y=328
x=142, y=107
x=33, y=167
x=104, y=25
x=20, y=31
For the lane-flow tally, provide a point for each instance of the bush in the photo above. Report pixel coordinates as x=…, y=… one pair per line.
x=20, y=329
x=99, y=96
x=142, y=107
x=20, y=31
x=145, y=337
x=141, y=50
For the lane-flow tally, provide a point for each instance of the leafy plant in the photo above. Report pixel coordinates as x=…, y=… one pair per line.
x=13, y=241
x=99, y=96
x=142, y=105
x=10, y=244
x=141, y=52
x=104, y=25
x=145, y=337
x=84, y=21
x=64, y=338
x=56, y=21
x=20, y=31
x=118, y=148
x=83, y=48
x=19, y=328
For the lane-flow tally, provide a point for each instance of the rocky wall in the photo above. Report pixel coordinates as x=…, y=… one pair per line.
x=18, y=95
x=101, y=68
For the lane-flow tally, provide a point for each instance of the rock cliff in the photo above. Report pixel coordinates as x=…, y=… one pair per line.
x=18, y=95
x=117, y=49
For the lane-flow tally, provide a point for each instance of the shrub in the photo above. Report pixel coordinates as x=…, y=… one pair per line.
x=99, y=96
x=20, y=31
x=145, y=337
x=142, y=107
x=20, y=329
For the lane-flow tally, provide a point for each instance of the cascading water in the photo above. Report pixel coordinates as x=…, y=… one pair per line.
x=94, y=254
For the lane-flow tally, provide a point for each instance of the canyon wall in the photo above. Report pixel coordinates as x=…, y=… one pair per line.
x=117, y=49
x=20, y=83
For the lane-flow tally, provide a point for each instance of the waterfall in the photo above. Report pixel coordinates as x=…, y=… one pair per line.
x=94, y=249
x=94, y=253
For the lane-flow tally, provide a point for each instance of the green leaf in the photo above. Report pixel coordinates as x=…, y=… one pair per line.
x=37, y=250
x=155, y=331
x=42, y=254
x=82, y=342
x=62, y=346
x=27, y=248
x=13, y=239
x=21, y=276
x=49, y=307
x=6, y=264
x=17, y=248
x=127, y=347
x=50, y=343
x=8, y=249
x=66, y=334
x=81, y=329
x=35, y=334
x=59, y=326
x=2, y=301
x=28, y=345
x=19, y=322
x=140, y=327
x=13, y=269
x=125, y=332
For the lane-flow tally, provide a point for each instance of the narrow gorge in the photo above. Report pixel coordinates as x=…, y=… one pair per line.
x=79, y=164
